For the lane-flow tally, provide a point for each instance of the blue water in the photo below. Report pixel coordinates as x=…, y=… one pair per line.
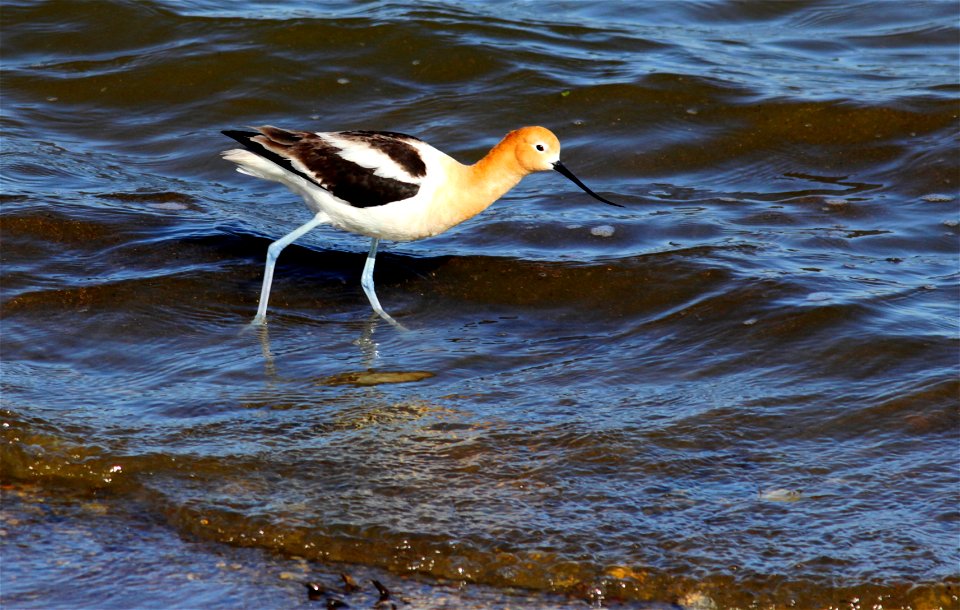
x=738, y=390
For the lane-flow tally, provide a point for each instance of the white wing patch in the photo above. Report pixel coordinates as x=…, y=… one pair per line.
x=369, y=157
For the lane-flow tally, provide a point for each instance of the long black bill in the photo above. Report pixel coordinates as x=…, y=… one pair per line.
x=560, y=167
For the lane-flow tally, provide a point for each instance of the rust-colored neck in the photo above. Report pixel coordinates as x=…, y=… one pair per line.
x=496, y=173
x=474, y=188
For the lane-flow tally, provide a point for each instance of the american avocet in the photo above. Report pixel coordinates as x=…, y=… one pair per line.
x=386, y=185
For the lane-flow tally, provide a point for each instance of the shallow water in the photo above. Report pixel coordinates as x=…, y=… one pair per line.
x=739, y=390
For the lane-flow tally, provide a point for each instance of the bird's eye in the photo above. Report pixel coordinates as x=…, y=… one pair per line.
x=540, y=147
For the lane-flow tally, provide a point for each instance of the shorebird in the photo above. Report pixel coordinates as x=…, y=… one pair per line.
x=386, y=185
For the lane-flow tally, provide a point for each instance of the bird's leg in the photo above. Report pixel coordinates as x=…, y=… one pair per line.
x=366, y=280
x=272, y=253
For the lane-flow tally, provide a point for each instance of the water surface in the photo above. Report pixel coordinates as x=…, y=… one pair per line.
x=740, y=390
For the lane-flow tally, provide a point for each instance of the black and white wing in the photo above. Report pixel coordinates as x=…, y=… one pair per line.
x=360, y=168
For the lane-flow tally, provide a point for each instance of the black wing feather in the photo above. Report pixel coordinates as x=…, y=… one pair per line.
x=346, y=180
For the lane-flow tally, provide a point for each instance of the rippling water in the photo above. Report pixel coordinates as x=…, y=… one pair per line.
x=738, y=391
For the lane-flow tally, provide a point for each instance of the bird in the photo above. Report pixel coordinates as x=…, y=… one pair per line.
x=386, y=185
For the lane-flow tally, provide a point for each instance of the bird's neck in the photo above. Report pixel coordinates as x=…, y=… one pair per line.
x=492, y=176
x=475, y=187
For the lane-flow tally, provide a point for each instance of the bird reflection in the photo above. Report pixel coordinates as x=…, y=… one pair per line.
x=369, y=348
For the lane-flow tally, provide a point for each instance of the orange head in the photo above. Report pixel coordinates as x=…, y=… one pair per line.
x=537, y=149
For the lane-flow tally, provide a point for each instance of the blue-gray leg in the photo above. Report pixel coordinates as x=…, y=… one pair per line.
x=272, y=253
x=366, y=280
